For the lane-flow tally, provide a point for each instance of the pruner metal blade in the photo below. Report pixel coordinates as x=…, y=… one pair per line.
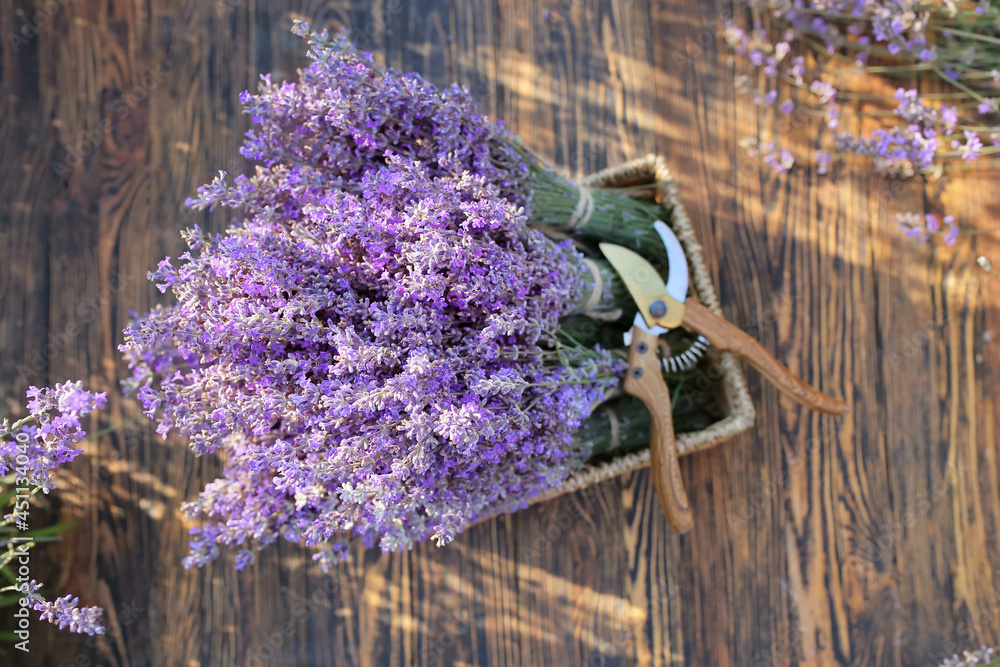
x=656, y=305
x=677, y=279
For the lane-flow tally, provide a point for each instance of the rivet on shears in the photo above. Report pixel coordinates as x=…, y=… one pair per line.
x=658, y=309
x=637, y=373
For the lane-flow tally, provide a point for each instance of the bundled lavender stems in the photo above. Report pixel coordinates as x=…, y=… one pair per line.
x=954, y=42
x=385, y=363
x=32, y=448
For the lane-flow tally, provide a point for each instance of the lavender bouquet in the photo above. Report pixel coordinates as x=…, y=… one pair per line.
x=384, y=345
x=386, y=364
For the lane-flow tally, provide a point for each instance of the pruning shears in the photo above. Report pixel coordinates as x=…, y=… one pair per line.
x=663, y=306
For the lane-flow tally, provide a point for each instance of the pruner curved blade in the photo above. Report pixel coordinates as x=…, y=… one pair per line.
x=661, y=303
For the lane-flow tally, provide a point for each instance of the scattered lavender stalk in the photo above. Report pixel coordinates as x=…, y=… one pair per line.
x=64, y=611
x=957, y=43
x=924, y=227
x=37, y=444
x=32, y=448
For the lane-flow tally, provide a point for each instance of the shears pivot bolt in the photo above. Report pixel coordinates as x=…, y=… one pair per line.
x=658, y=309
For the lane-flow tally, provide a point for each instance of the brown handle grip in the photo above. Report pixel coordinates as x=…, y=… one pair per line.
x=645, y=381
x=725, y=336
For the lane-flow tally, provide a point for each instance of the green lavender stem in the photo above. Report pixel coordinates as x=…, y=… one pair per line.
x=594, y=436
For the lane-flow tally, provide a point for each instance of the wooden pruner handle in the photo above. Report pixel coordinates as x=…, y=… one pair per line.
x=726, y=336
x=644, y=380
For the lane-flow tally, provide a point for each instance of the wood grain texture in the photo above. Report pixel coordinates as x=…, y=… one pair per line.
x=867, y=540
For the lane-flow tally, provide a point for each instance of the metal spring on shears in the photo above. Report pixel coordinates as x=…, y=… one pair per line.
x=686, y=360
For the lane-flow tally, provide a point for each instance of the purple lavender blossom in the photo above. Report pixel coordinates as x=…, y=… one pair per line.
x=923, y=228
x=969, y=150
x=823, y=161
x=910, y=225
x=777, y=158
x=65, y=613
x=383, y=365
x=981, y=658
x=951, y=237
x=47, y=435
x=824, y=90
x=895, y=152
x=346, y=115
x=33, y=447
x=949, y=116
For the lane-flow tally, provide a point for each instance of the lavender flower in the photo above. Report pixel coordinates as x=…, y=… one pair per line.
x=779, y=159
x=346, y=115
x=383, y=364
x=47, y=435
x=984, y=656
x=823, y=161
x=969, y=150
x=33, y=447
x=951, y=236
x=923, y=228
x=949, y=116
x=64, y=611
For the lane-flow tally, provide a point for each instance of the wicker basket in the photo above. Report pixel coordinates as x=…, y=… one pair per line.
x=736, y=399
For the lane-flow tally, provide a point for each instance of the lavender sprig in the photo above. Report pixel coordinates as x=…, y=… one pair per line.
x=45, y=438
x=927, y=226
x=33, y=447
x=64, y=611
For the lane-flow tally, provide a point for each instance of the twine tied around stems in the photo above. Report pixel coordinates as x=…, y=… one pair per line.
x=615, y=428
x=595, y=295
x=584, y=208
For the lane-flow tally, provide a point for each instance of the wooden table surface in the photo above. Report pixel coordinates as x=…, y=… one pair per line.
x=870, y=540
